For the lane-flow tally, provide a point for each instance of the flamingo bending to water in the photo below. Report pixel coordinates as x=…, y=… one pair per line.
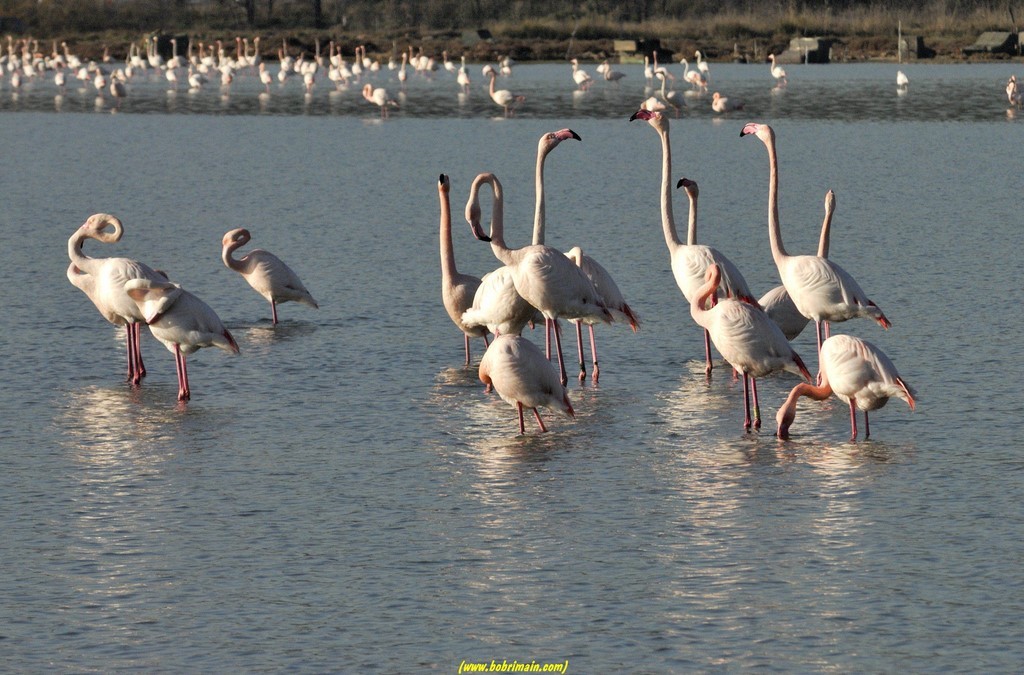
x=181, y=321
x=746, y=338
x=265, y=272
x=858, y=373
x=820, y=289
x=690, y=261
x=517, y=369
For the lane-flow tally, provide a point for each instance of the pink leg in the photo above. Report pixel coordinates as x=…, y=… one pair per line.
x=467, y=347
x=757, y=406
x=140, y=366
x=853, y=420
x=867, y=428
x=593, y=353
x=539, y=420
x=707, y=352
x=179, y=360
x=579, y=349
x=746, y=402
x=273, y=311
x=130, y=344
x=522, y=426
x=558, y=348
x=547, y=340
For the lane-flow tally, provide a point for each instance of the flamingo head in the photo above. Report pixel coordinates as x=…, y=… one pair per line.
x=238, y=237
x=443, y=184
x=762, y=131
x=690, y=187
x=830, y=201
x=95, y=227
x=473, y=218
x=550, y=140
x=643, y=114
x=713, y=276
x=784, y=418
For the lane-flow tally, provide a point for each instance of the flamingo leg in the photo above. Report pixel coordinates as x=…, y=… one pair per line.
x=273, y=311
x=757, y=406
x=522, y=425
x=140, y=367
x=539, y=421
x=579, y=349
x=867, y=428
x=547, y=340
x=179, y=360
x=707, y=353
x=746, y=402
x=130, y=344
x=466, y=336
x=853, y=420
x=558, y=348
x=593, y=353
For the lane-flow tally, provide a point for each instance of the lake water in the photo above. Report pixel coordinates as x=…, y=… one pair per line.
x=343, y=495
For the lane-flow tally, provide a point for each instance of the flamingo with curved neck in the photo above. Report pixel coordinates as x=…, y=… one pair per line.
x=265, y=272
x=542, y=275
x=108, y=279
x=821, y=290
x=691, y=260
x=858, y=373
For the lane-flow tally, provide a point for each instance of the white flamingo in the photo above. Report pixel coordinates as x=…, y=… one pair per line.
x=670, y=97
x=181, y=321
x=690, y=260
x=517, y=369
x=702, y=66
x=463, y=76
x=457, y=289
x=694, y=77
x=777, y=71
x=858, y=373
x=379, y=97
x=581, y=77
x=723, y=104
x=109, y=276
x=544, y=276
x=265, y=272
x=496, y=303
x=902, y=81
x=746, y=338
x=777, y=303
x=503, y=97
x=820, y=289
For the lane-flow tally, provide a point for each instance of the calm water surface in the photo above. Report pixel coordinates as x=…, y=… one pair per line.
x=342, y=494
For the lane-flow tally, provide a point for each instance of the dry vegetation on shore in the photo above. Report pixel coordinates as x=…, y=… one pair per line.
x=860, y=32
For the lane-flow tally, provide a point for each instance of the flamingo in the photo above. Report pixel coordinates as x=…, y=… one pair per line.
x=544, y=276
x=108, y=279
x=611, y=75
x=901, y=80
x=612, y=298
x=581, y=77
x=648, y=70
x=181, y=321
x=503, y=97
x=690, y=260
x=463, y=76
x=722, y=104
x=265, y=77
x=457, y=290
x=777, y=302
x=265, y=272
x=777, y=71
x=379, y=96
x=517, y=369
x=496, y=303
x=1013, y=94
x=671, y=97
x=745, y=336
x=858, y=373
x=820, y=289
x=694, y=77
x=702, y=66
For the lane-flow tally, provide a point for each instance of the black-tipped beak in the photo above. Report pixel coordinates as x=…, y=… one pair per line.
x=576, y=135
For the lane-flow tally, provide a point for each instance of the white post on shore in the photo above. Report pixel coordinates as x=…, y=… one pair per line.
x=899, y=41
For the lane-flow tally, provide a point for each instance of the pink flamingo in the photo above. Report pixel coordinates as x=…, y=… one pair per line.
x=379, y=97
x=265, y=272
x=820, y=289
x=722, y=104
x=691, y=260
x=523, y=377
x=181, y=321
x=503, y=97
x=777, y=302
x=542, y=275
x=457, y=290
x=746, y=338
x=106, y=282
x=858, y=373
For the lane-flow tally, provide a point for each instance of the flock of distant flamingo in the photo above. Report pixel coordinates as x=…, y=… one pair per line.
x=753, y=336
x=202, y=64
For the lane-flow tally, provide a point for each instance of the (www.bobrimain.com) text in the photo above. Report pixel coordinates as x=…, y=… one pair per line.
x=504, y=666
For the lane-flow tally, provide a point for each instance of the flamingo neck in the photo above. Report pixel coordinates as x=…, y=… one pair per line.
x=539, y=214
x=668, y=222
x=787, y=412
x=691, y=229
x=229, y=260
x=448, y=270
x=501, y=251
x=774, y=229
x=826, y=227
